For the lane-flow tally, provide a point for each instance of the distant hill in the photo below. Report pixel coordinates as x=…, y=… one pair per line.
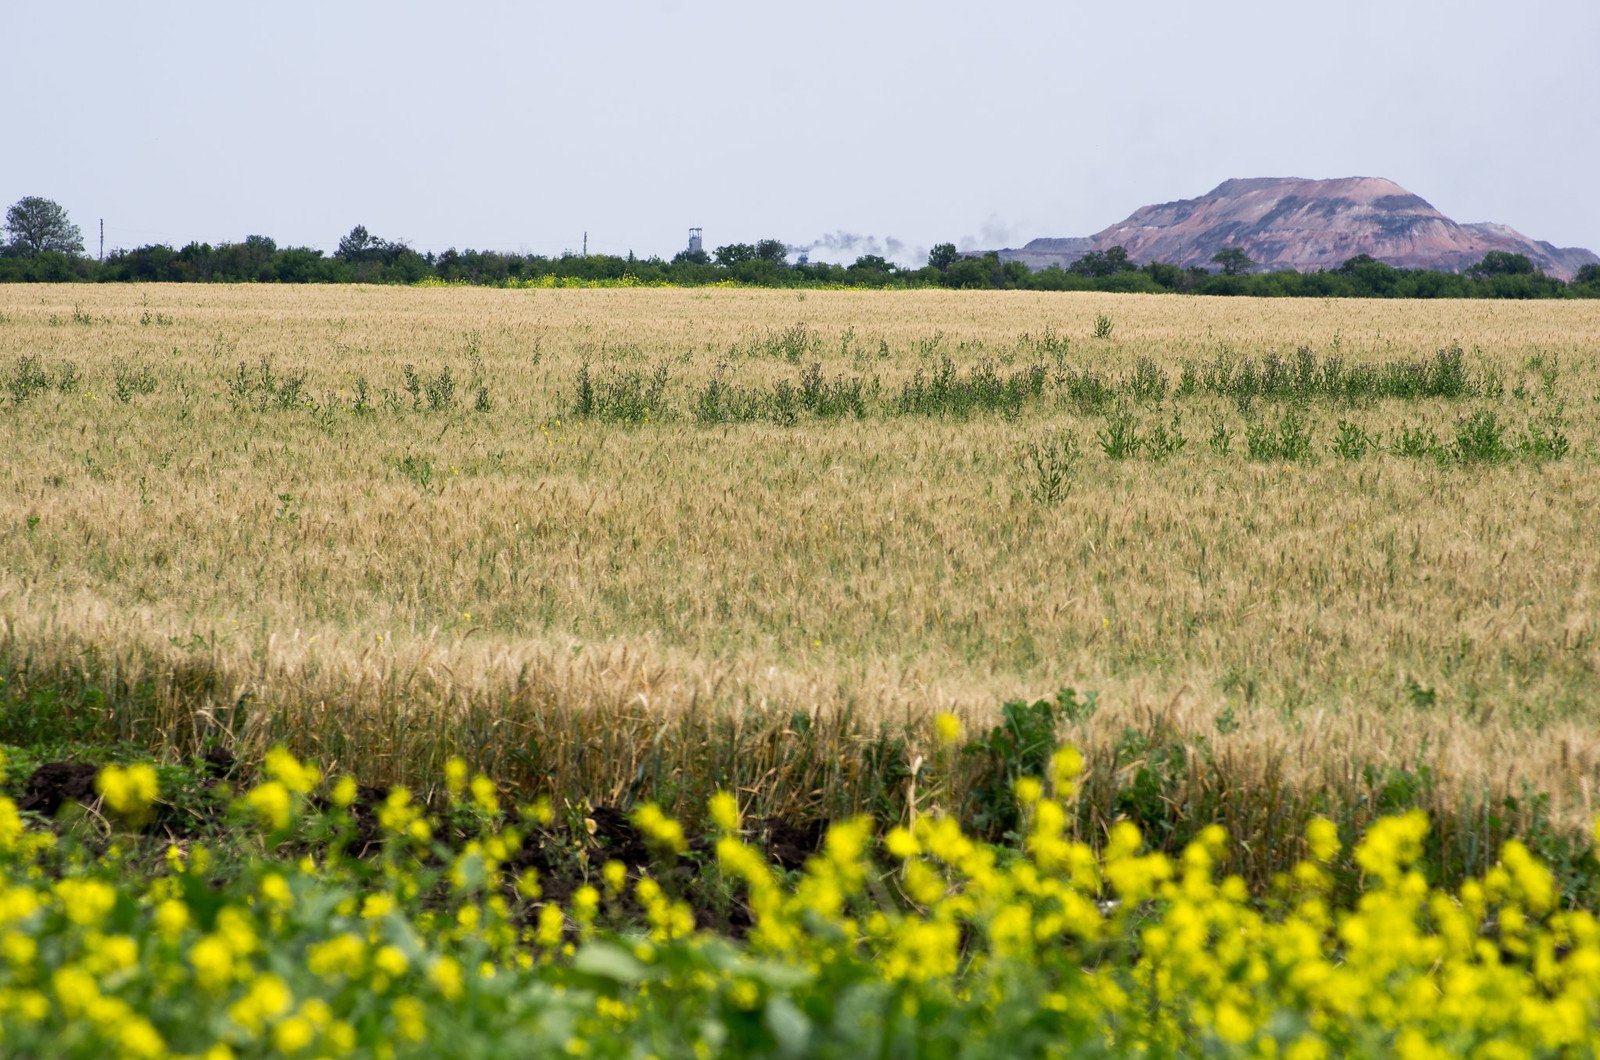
x=1292, y=223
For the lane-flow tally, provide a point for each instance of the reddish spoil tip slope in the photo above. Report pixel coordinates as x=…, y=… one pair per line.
x=1293, y=223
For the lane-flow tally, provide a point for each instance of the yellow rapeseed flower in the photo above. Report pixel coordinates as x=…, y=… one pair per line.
x=293, y=1034
x=268, y=998
x=484, y=795
x=724, y=809
x=446, y=976
x=344, y=791
x=129, y=790
x=410, y=1019
x=294, y=775
x=659, y=828
x=271, y=803
x=1066, y=766
x=212, y=959
x=1322, y=837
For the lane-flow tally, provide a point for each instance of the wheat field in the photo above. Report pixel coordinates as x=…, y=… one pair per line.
x=224, y=513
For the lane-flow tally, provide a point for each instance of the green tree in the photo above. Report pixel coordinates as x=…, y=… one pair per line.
x=1165, y=274
x=773, y=250
x=976, y=272
x=872, y=263
x=1234, y=261
x=1102, y=263
x=1589, y=273
x=1502, y=263
x=40, y=226
x=943, y=255
x=358, y=245
x=733, y=253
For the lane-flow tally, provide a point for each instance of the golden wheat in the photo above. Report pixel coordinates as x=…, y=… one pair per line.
x=383, y=588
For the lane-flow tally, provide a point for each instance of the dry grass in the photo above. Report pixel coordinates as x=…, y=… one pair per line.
x=288, y=574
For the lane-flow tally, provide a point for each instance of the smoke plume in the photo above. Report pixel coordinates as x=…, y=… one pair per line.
x=846, y=247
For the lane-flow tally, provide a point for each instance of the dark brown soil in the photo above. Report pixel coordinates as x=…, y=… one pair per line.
x=55, y=783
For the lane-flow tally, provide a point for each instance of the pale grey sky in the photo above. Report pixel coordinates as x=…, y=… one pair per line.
x=519, y=126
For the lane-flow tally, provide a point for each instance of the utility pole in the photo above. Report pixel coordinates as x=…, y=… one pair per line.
x=102, y=239
x=586, y=244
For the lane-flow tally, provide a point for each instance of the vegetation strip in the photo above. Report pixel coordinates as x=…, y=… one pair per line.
x=331, y=920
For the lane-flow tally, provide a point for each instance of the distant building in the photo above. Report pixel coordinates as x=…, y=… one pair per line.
x=695, y=245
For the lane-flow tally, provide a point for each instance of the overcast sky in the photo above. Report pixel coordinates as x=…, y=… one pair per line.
x=519, y=126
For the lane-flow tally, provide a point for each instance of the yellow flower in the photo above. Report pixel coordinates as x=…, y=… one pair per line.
x=1322, y=836
x=409, y=1019
x=293, y=1034
x=901, y=843
x=540, y=812
x=659, y=828
x=446, y=976
x=745, y=995
x=171, y=917
x=129, y=790
x=138, y=1038
x=75, y=990
x=455, y=776
x=1066, y=766
x=724, y=808
x=344, y=791
x=391, y=960
x=275, y=891
x=212, y=959
x=271, y=803
x=484, y=794
x=11, y=826
x=86, y=902
x=268, y=998
x=377, y=906
x=948, y=728
x=19, y=950
x=284, y=767
x=343, y=955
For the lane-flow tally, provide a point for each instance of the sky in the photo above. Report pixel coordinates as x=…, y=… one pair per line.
x=844, y=125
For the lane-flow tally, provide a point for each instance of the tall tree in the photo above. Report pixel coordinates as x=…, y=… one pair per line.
x=40, y=225
x=1234, y=261
x=1503, y=263
x=1103, y=263
x=773, y=250
x=732, y=254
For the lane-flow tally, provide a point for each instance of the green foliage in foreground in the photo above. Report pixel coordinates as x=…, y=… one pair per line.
x=333, y=921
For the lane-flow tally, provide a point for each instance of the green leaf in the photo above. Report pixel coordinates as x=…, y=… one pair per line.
x=788, y=1025
x=607, y=960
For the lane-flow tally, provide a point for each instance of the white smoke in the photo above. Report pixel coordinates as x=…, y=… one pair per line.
x=845, y=247
x=994, y=234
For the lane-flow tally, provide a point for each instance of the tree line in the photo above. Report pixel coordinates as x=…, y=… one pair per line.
x=44, y=246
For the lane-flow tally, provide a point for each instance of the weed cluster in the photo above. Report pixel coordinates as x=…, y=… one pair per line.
x=982, y=388
x=437, y=392
x=625, y=396
x=1288, y=439
x=264, y=388
x=1051, y=463
x=131, y=380
x=1304, y=378
x=812, y=394
x=30, y=378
